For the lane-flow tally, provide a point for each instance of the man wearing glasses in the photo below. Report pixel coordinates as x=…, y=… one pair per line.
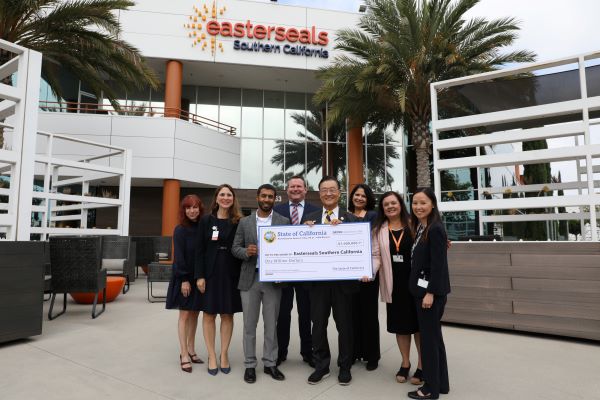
x=326, y=296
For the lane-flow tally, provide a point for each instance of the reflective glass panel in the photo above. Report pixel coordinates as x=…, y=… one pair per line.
x=230, y=111
x=251, y=163
x=295, y=116
x=188, y=99
x=208, y=103
x=315, y=127
x=252, y=113
x=274, y=115
x=295, y=158
x=157, y=102
x=337, y=160
x=375, y=167
x=314, y=164
x=395, y=170
x=273, y=163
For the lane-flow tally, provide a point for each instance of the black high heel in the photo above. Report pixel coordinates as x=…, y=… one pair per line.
x=185, y=369
x=196, y=360
x=402, y=374
x=212, y=371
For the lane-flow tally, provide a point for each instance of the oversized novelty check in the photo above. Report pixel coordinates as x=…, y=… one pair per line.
x=314, y=253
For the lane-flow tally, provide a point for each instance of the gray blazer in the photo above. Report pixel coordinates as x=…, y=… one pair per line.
x=246, y=235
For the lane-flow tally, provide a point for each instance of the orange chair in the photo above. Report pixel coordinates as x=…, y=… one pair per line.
x=114, y=285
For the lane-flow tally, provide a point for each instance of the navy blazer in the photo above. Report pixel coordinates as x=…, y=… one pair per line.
x=206, y=249
x=284, y=209
x=430, y=262
x=348, y=287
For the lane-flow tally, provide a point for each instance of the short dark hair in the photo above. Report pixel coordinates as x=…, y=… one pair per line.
x=297, y=177
x=368, y=193
x=267, y=186
x=329, y=178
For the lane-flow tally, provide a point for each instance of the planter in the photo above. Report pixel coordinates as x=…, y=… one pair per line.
x=114, y=286
x=21, y=289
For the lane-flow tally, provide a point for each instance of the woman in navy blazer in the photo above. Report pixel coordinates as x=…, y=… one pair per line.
x=429, y=283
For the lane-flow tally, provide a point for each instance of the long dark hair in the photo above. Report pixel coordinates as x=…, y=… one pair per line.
x=381, y=218
x=433, y=217
x=235, y=213
x=189, y=201
x=368, y=193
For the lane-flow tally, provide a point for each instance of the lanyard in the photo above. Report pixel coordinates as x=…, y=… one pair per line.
x=397, y=242
x=416, y=242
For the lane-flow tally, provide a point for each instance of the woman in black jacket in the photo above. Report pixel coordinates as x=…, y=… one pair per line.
x=217, y=274
x=429, y=283
x=182, y=293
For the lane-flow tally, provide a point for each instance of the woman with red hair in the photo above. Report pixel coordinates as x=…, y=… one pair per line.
x=182, y=293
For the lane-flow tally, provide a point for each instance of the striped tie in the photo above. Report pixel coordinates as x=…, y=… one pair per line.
x=295, y=219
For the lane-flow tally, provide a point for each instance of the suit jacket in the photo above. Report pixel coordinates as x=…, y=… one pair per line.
x=346, y=286
x=284, y=209
x=206, y=249
x=430, y=262
x=246, y=235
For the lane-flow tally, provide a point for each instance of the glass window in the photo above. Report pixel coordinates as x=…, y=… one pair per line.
x=295, y=116
x=314, y=164
x=375, y=167
x=208, y=103
x=295, y=158
x=157, y=102
x=274, y=115
x=252, y=113
x=374, y=135
x=188, y=99
x=251, y=158
x=315, y=126
x=337, y=160
x=395, y=170
x=230, y=111
x=273, y=163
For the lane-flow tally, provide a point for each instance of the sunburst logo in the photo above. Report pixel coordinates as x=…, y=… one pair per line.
x=196, y=23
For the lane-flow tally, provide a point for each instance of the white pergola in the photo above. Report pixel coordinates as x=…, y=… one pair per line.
x=29, y=154
x=584, y=153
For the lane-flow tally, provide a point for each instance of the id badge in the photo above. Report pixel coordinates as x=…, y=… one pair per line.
x=215, y=235
x=422, y=283
x=398, y=258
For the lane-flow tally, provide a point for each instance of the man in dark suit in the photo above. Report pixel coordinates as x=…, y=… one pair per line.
x=331, y=295
x=296, y=210
x=254, y=292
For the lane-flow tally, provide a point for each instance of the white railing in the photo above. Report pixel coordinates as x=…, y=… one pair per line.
x=19, y=109
x=61, y=205
x=583, y=199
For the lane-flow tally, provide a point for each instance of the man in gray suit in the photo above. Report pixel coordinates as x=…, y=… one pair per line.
x=253, y=291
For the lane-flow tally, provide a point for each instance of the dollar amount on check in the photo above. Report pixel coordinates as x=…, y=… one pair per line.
x=314, y=253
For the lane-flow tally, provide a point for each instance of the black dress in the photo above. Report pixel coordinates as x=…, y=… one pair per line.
x=401, y=312
x=184, y=242
x=222, y=295
x=365, y=312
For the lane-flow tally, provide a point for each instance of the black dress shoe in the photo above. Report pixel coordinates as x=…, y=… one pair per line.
x=250, y=375
x=372, y=365
x=309, y=361
x=280, y=359
x=318, y=376
x=344, y=377
x=275, y=373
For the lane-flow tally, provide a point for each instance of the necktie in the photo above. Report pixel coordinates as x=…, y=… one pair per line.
x=328, y=216
x=295, y=219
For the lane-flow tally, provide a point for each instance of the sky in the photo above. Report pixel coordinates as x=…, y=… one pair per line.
x=551, y=28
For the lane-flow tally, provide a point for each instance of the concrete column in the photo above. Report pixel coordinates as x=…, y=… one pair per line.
x=170, y=206
x=355, y=155
x=173, y=81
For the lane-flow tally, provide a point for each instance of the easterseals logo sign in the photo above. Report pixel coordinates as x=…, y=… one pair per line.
x=270, y=236
x=205, y=31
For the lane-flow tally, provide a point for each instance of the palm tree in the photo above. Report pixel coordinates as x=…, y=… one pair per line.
x=403, y=46
x=293, y=151
x=79, y=36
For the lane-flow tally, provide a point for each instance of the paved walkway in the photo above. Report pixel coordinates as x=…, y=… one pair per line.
x=131, y=352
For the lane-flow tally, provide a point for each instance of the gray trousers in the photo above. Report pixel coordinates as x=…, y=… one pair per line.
x=270, y=297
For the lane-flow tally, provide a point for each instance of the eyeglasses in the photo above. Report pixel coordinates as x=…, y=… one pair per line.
x=329, y=191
